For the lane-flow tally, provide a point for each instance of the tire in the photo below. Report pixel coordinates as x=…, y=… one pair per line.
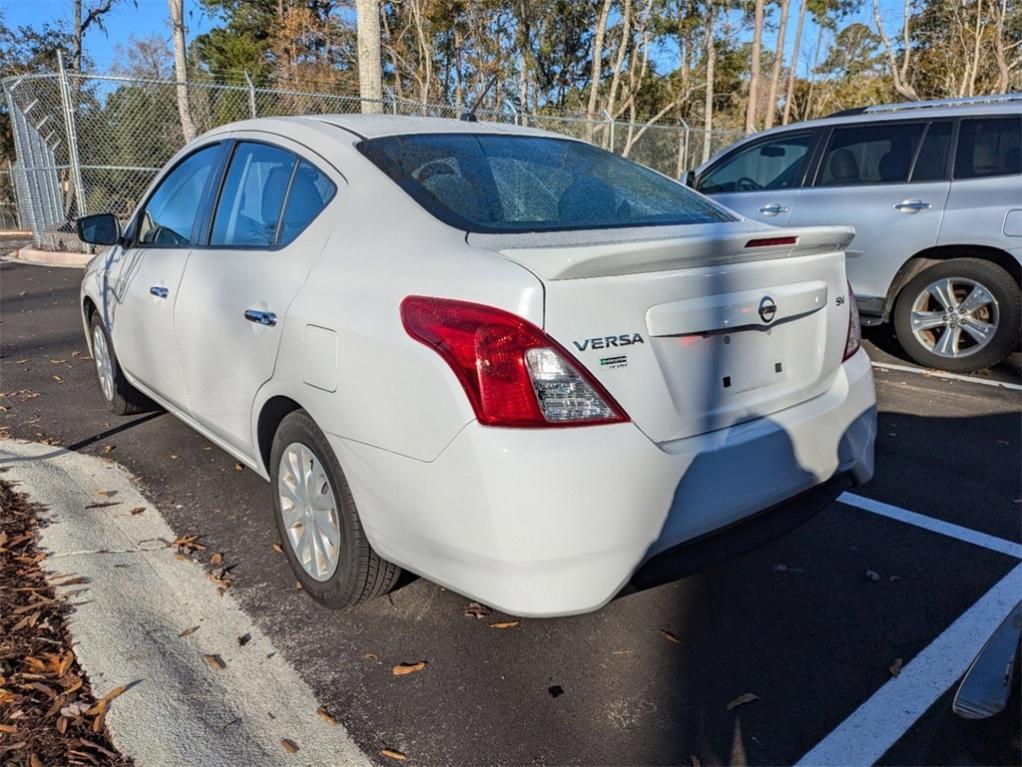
x=929, y=344
x=358, y=573
x=121, y=397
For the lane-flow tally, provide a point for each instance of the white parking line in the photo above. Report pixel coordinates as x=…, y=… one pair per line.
x=974, y=537
x=878, y=723
x=942, y=374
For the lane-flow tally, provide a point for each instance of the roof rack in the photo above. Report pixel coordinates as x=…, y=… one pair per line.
x=998, y=98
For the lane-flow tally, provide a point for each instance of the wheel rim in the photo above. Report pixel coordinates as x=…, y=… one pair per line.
x=104, y=365
x=955, y=317
x=309, y=510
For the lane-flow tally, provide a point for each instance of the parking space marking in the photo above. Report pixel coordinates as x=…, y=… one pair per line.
x=974, y=537
x=942, y=374
x=877, y=724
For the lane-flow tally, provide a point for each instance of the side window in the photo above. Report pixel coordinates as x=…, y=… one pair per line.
x=252, y=196
x=931, y=164
x=880, y=153
x=169, y=215
x=310, y=192
x=774, y=164
x=989, y=148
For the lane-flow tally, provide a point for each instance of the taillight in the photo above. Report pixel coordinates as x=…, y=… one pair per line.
x=854, y=338
x=513, y=373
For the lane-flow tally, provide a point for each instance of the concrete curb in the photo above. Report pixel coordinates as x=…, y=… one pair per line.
x=126, y=626
x=51, y=258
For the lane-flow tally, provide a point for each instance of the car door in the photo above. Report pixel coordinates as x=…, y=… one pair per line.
x=761, y=179
x=889, y=180
x=237, y=287
x=145, y=275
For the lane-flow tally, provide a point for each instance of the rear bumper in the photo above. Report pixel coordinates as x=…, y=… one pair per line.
x=556, y=522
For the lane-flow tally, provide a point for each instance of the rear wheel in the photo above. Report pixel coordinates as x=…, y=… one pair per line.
x=318, y=522
x=121, y=397
x=959, y=315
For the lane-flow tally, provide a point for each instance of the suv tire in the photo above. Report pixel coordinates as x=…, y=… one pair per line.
x=335, y=564
x=935, y=330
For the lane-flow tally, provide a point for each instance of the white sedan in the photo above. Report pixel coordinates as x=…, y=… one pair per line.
x=513, y=363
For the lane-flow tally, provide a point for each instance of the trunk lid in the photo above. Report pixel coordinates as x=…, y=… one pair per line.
x=697, y=331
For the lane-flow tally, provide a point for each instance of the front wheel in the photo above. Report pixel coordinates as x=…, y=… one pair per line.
x=318, y=522
x=121, y=397
x=959, y=315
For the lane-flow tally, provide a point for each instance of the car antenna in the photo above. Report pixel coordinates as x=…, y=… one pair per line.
x=470, y=115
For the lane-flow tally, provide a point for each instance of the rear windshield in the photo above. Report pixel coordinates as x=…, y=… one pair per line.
x=499, y=184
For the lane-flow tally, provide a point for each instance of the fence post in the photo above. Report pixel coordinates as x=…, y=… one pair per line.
x=683, y=148
x=72, y=134
x=610, y=129
x=16, y=194
x=251, y=96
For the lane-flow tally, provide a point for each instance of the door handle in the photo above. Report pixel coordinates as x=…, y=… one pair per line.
x=260, y=317
x=912, y=206
x=773, y=208
x=159, y=291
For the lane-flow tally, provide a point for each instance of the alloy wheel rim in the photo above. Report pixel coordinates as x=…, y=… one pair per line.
x=309, y=510
x=955, y=317
x=104, y=366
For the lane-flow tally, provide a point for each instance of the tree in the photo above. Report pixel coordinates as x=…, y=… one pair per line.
x=180, y=68
x=597, y=69
x=899, y=72
x=757, y=40
x=793, y=67
x=93, y=17
x=711, y=63
x=775, y=75
x=370, y=68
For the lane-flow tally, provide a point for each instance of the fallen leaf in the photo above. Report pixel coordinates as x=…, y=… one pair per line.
x=670, y=636
x=278, y=549
x=504, y=624
x=403, y=669
x=238, y=467
x=137, y=510
x=873, y=576
x=107, y=448
x=325, y=715
x=392, y=754
x=289, y=745
x=476, y=610
x=188, y=631
x=298, y=585
x=9, y=729
x=57, y=378
x=622, y=652
x=33, y=761
x=244, y=639
x=371, y=656
x=215, y=662
x=217, y=558
x=106, y=493
x=741, y=700
x=895, y=668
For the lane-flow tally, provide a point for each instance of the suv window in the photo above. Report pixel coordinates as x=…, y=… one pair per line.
x=989, y=147
x=931, y=165
x=880, y=153
x=169, y=215
x=252, y=196
x=774, y=164
x=310, y=192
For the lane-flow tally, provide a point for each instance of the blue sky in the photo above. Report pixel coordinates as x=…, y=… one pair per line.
x=145, y=18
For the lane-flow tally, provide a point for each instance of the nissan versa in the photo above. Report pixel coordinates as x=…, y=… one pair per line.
x=510, y=362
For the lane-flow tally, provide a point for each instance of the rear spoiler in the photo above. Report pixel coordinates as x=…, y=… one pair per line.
x=604, y=259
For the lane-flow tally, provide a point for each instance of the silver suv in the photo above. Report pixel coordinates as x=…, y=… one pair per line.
x=934, y=191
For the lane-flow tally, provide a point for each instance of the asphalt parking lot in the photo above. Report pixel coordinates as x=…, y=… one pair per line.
x=802, y=624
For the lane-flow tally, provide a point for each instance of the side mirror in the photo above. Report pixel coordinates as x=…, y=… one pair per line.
x=99, y=229
x=689, y=179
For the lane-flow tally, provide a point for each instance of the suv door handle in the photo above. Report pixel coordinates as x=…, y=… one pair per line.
x=159, y=291
x=773, y=208
x=260, y=317
x=912, y=206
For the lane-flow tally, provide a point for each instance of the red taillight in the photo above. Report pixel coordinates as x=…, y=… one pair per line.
x=489, y=351
x=770, y=242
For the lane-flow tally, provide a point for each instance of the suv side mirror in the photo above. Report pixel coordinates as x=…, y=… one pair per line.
x=689, y=179
x=99, y=229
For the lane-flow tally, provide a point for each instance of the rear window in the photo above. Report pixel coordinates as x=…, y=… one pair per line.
x=505, y=184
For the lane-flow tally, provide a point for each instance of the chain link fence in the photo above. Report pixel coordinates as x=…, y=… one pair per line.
x=92, y=143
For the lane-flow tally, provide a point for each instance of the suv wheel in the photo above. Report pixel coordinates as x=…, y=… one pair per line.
x=318, y=522
x=959, y=315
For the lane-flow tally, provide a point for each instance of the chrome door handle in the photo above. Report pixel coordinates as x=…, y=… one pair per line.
x=773, y=208
x=912, y=206
x=159, y=291
x=260, y=317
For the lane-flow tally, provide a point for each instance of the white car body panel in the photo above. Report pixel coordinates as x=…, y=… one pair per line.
x=532, y=521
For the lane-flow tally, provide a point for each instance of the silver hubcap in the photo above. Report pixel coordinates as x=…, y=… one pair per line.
x=955, y=317
x=310, y=511
x=104, y=367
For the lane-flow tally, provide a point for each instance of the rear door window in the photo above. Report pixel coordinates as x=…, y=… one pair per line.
x=252, y=196
x=774, y=164
x=989, y=147
x=880, y=153
x=931, y=164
